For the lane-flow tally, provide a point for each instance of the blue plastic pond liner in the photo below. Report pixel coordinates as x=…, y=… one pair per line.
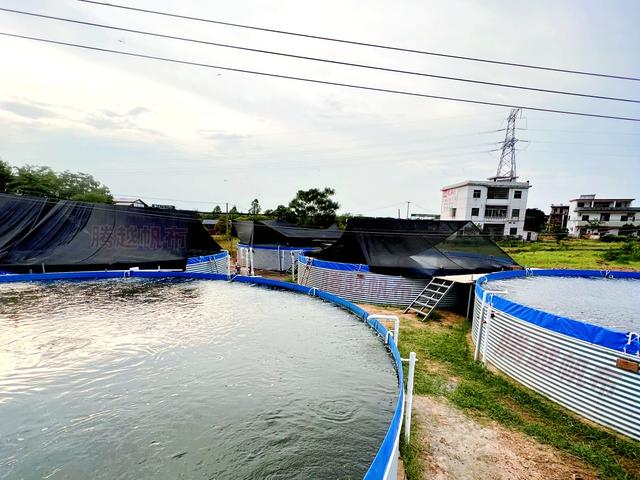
x=625, y=342
x=349, y=267
x=206, y=258
x=384, y=458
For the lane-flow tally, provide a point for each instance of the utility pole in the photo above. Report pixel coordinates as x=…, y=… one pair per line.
x=408, y=203
x=507, y=165
x=228, y=226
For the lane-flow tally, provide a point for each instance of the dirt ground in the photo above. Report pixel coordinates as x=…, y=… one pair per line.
x=457, y=447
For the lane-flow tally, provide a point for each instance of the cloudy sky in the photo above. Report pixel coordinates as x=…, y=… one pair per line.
x=197, y=137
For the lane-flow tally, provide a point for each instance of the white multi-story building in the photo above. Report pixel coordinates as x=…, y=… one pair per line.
x=589, y=215
x=498, y=207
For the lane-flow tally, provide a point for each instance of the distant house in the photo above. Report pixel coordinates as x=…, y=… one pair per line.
x=425, y=216
x=589, y=215
x=559, y=216
x=496, y=206
x=129, y=202
x=163, y=207
x=210, y=225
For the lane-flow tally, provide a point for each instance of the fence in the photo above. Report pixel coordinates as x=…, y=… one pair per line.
x=385, y=463
x=268, y=257
x=588, y=369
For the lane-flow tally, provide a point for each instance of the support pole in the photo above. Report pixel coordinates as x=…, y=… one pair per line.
x=481, y=319
x=487, y=332
x=476, y=352
x=407, y=411
x=252, y=273
x=471, y=289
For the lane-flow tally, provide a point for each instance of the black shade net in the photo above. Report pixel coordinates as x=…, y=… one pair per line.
x=37, y=234
x=417, y=248
x=276, y=232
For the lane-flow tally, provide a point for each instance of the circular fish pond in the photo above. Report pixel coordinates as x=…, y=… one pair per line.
x=154, y=379
x=607, y=302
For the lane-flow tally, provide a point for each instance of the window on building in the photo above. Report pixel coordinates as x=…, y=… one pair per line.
x=513, y=231
x=517, y=194
x=475, y=212
x=477, y=193
x=585, y=218
x=623, y=218
x=515, y=213
x=453, y=212
x=580, y=204
x=495, y=212
x=497, y=193
x=604, y=217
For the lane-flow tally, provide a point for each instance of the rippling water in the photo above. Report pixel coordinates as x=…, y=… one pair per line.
x=608, y=302
x=186, y=380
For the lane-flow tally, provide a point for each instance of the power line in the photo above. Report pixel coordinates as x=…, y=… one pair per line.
x=584, y=132
x=363, y=44
x=367, y=160
x=323, y=82
x=324, y=60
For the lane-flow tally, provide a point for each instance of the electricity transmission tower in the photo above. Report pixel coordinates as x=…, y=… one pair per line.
x=507, y=166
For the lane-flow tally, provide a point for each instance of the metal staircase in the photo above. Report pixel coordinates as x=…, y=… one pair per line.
x=429, y=298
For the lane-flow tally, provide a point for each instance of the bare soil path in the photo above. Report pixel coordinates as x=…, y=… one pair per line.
x=457, y=447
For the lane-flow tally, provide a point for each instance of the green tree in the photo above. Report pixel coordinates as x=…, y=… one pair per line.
x=44, y=182
x=314, y=207
x=559, y=233
x=82, y=187
x=217, y=211
x=255, y=207
x=6, y=176
x=534, y=219
x=282, y=213
x=223, y=223
x=37, y=181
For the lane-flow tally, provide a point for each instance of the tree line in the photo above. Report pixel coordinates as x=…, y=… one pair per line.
x=309, y=208
x=42, y=181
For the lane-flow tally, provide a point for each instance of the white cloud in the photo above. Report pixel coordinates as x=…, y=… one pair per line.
x=174, y=131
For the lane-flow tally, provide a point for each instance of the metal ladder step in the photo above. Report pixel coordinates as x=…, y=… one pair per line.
x=429, y=298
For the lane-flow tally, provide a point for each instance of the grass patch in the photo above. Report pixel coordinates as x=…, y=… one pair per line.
x=412, y=452
x=572, y=253
x=228, y=243
x=444, y=351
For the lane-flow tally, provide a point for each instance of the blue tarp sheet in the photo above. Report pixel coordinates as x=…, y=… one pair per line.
x=349, y=267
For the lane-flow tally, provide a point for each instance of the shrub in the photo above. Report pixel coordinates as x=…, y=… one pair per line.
x=629, y=251
x=612, y=238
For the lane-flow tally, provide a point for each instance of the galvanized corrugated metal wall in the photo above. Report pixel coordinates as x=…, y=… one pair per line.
x=581, y=376
x=363, y=287
x=212, y=264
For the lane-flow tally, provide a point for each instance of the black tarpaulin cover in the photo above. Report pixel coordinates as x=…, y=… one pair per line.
x=417, y=248
x=66, y=235
x=276, y=232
